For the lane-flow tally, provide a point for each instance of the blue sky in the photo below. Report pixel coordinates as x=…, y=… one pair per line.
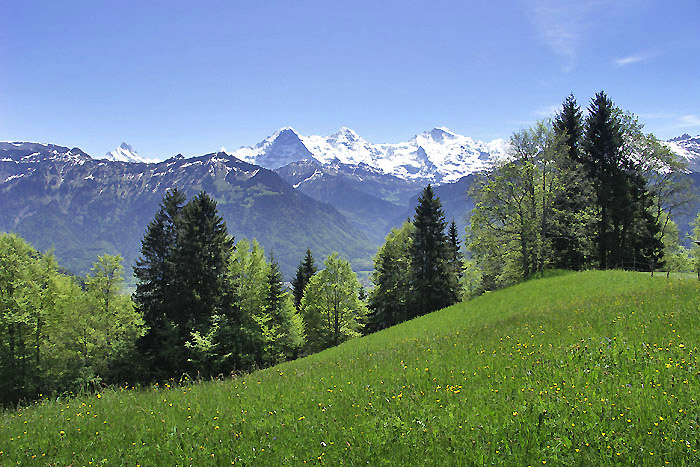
x=190, y=77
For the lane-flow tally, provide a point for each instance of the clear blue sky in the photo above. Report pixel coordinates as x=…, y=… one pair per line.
x=190, y=77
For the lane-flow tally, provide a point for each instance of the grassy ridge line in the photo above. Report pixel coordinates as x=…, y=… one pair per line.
x=585, y=369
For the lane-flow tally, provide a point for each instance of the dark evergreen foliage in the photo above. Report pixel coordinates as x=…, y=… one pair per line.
x=390, y=299
x=181, y=276
x=201, y=256
x=570, y=230
x=456, y=260
x=626, y=236
x=157, y=289
x=305, y=270
x=569, y=124
x=431, y=280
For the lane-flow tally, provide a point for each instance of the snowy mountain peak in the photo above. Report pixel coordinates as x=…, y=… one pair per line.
x=281, y=148
x=124, y=153
x=683, y=137
x=345, y=132
x=688, y=148
x=438, y=155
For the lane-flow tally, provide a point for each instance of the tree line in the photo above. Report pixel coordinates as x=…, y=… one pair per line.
x=204, y=305
x=577, y=193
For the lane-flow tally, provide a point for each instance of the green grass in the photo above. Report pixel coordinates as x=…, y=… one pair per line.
x=593, y=368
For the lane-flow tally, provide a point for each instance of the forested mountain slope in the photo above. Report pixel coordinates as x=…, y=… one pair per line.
x=62, y=198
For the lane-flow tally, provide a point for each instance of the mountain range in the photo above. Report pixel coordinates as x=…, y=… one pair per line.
x=333, y=193
x=82, y=207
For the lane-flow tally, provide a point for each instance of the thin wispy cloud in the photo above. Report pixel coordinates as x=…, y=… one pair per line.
x=632, y=59
x=562, y=25
x=690, y=120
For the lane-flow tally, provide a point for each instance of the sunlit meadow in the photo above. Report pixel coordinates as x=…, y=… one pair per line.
x=580, y=369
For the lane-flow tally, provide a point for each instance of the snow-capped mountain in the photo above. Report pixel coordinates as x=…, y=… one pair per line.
x=688, y=148
x=281, y=148
x=436, y=156
x=125, y=153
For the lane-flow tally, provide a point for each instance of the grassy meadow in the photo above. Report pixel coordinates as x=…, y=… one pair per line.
x=592, y=368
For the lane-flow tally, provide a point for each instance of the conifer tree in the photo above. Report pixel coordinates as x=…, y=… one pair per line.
x=569, y=124
x=203, y=246
x=431, y=283
x=456, y=260
x=157, y=289
x=305, y=270
x=573, y=206
x=282, y=325
x=181, y=281
x=604, y=165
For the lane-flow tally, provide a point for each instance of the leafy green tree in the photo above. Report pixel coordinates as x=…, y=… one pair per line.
x=390, y=299
x=25, y=288
x=432, y=283
x=331, y=308
x=243, y=327
x=104, y=327
x=669, y=189
x=56, y=335
x=677, y=258
x=512, y=224
x=305, y=270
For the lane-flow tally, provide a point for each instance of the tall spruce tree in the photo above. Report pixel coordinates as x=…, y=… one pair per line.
x=157, y=289
x=285, y=335
x=569, y=124
x=570, y=235
x=603, y=163
x=431, y=281
x=181, y=277
x=305, y=270
x=203, y=246
x=628, y=233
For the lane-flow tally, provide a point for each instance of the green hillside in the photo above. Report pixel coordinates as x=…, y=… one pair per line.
x=593, y=368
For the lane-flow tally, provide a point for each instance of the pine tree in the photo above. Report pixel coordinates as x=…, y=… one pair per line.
x=603, y=163
x=156, y=291
x=281, y=311
x=572, y=207
x=203, y=246
x=305, y=270
x=181, y=281
x=430, y=283
x=569, y=124
x=628, y=233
